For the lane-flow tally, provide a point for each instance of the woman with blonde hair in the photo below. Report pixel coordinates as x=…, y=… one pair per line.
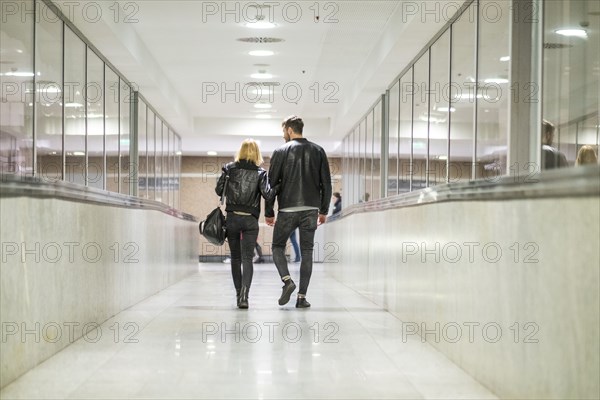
x=586, y=155
x=246, y=182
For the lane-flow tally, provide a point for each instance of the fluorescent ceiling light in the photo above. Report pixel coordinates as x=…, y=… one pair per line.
x=78, y=153
x=443, y=158
x=506, y=58
x=211, y=153
x=73, y=105
x=263, y=106
x=261, y=75
x=19, y=74
x=261, y=53
x=445, y=109
x=572, y=32
x=496, y=80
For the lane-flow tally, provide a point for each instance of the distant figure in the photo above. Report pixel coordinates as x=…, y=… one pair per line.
x=247, y=182
x=551, y=157
x=586, y=156
x=294, y=241
x=337, y=203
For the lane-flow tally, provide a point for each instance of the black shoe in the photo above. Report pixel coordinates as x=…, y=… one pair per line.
x=243, y=303
x=288, y=289
x=302, y=303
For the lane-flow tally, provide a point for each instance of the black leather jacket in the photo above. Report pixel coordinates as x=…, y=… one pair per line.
x=301, y=169
x=246, y=184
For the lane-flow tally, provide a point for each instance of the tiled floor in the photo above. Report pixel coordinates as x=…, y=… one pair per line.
x=190, y=341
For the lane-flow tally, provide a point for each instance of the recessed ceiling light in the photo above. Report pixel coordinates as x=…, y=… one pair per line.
x=572, y=32
x=261, y=75
x=73, y=105
x=505, y=58
x=19, y=74
x=263, y=105
x=211, y=153
x=261, y=53
x=445, y=109
x=496, y=80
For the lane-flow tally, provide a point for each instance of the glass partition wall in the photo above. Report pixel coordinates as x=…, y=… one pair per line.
x=449, y=113
x=68, y=115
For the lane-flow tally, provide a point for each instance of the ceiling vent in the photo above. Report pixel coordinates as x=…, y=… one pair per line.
x=260, y=40
x=556, y=46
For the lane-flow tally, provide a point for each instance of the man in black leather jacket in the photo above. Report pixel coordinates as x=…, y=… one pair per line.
x=301, y=170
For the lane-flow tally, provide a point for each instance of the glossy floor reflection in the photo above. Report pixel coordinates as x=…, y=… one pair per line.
x=190, y=341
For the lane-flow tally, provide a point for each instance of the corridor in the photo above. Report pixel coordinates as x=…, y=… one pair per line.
x=190, y=341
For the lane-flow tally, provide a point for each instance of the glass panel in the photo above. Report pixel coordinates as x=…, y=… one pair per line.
x=587, y=141
x=111, y=119
x=377, y=151
x=75, y=131
x=169, y=170
x=361, y=162
x=369, y=158
x=178, y=174
x=405, y=127
x=16, y=107
x=124, y=138
x=462, y=97
x=49, y=115
x=494, y=94
x=95, y=120
x=142, y=151
x=420, y=119
x=151, y=181
x=356, y=166
x=571, y=75
x=439, y=112
x=159, y=160
x=393, y=161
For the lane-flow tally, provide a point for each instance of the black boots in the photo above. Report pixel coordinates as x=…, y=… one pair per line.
x=288, y=288
x=243, y=298
x=302, y=303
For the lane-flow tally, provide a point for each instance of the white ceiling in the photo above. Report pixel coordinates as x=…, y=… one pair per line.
x=176, y=51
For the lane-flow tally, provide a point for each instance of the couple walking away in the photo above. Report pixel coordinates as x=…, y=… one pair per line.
x=300, y=181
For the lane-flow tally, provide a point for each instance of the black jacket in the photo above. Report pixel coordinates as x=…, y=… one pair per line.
x=246, y=184
x=301, y=169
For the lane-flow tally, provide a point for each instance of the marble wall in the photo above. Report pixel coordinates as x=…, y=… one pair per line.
x=508, y=290
x=67, y=266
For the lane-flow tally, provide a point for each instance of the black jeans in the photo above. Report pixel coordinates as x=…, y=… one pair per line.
x=242, y=232
x=286, y=223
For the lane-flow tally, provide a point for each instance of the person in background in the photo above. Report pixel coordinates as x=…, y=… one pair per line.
x=551, y=157
x=295, y=246
x=301, y=170
x=586, y=156
x=246, y=182
x=337, y=203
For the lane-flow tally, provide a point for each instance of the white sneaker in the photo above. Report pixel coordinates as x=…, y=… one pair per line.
x=227, y=260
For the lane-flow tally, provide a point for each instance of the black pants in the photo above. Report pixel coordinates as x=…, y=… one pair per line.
x=242, y=232
x=286, y=223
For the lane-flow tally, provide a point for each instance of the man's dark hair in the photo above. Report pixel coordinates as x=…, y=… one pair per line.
x=295, y=123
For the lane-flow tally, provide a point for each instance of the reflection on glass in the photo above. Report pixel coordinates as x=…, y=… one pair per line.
x=142, y=151
x=377, y=132
x=393, y=160
x=151, y=181
x=571, y=76
x=111, y=121
x=124, y=139
x=420, y=122
x=74, y=91
x=405, y=127
x=159, y=160
x=361, y=162
x=95, y=120
x=16, y=107
x=49, y=113
x=494, y=90
x=439, y=110
x=462, y=98
x=369, y=158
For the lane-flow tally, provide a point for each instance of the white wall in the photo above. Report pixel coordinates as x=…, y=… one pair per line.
x=52, y=272
x=558, y=295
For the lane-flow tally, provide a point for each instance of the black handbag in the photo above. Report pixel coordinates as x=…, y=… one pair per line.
x=214, y=228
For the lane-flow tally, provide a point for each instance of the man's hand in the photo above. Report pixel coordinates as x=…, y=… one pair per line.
x=322, y=219
x=270, y=221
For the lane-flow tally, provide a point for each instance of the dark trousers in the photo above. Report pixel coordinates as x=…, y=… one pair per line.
x=287, y=222
x=242, y=232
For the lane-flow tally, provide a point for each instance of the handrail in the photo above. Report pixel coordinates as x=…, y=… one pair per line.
x=564, y=182
x=27, y=186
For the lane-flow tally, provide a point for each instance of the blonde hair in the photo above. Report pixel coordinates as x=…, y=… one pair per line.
x=249, y=151
x=586, y=155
